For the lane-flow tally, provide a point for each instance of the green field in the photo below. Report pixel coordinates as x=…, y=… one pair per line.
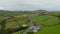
x=43, y=19
x=50, y=20
x=46, y=29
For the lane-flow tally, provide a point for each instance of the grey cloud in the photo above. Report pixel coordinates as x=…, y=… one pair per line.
x=30, y=4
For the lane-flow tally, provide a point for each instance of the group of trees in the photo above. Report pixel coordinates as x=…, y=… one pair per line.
x=9, y=30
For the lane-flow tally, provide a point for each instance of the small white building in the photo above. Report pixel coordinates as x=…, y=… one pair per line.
x=36, y=28
x=24, y=25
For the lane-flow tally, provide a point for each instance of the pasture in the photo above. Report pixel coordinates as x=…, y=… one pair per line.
x=50, y=24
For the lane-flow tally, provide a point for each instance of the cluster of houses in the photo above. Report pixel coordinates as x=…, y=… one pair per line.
x=36, y=28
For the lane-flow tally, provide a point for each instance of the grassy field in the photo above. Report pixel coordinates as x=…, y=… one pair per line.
x=43, y=19
x=48, y=20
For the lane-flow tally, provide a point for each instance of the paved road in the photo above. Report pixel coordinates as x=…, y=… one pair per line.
x=31, y=24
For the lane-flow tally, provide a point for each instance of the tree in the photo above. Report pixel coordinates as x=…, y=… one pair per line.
x=9, y=30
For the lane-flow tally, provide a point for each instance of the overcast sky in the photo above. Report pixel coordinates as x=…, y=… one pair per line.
x=30, y=4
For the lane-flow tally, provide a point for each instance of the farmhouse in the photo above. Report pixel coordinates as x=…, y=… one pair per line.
x=24, y=25
x=36, y=28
